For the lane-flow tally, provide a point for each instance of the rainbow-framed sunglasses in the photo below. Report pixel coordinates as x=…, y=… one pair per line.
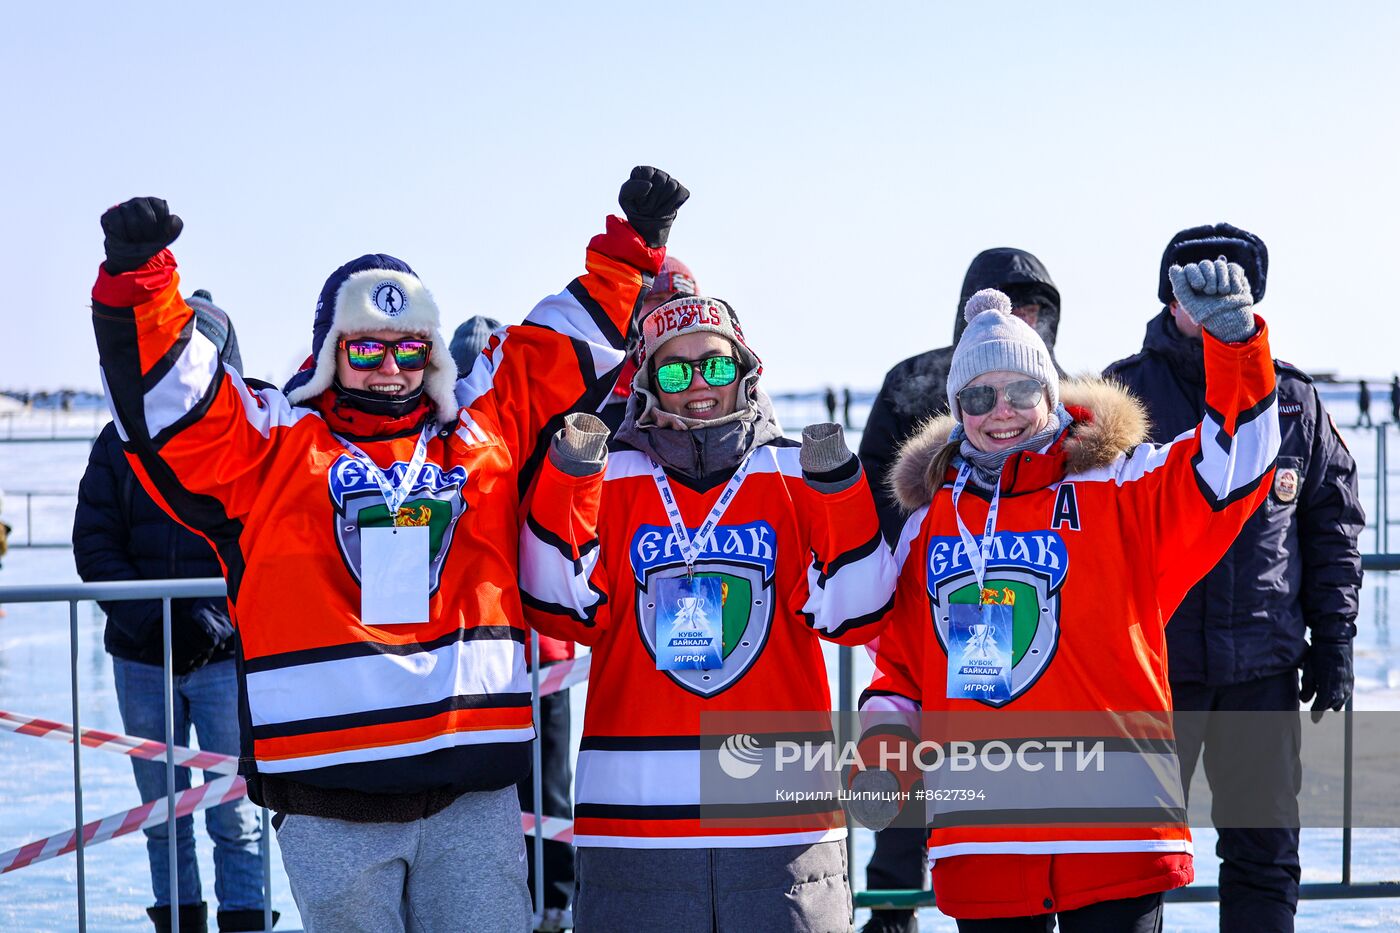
x=410, y=354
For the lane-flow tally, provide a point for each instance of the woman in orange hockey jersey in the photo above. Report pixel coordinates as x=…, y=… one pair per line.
x=703, y=559
x=367, y=521
x=1047, y=548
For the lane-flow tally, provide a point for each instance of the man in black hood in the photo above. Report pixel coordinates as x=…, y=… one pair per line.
x=914, y=391
x=917, y=388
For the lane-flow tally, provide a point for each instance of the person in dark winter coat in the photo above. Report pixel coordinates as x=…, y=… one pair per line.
x=1239, y=637
x=1363, y=404
x=1395, y=399
x=119, y=533
x=914, y=391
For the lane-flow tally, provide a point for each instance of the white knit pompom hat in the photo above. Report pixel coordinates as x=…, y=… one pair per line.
x=996, y=340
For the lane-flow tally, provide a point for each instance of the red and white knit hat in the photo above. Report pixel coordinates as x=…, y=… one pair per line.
x=689, y=314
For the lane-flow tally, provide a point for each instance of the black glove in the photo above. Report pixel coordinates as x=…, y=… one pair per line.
x=197, y=634
x=650, y=199
x=136, y=230
x=1327, y=673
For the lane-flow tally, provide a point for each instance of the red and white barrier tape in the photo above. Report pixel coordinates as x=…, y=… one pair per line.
x=148, y=749
x=224, y=790
x=557, y=828
x=555, y=677
x=561, y=675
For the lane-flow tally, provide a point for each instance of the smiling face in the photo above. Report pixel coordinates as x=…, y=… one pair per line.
x=700, y=400
x=1004, y=426
x=388, y=379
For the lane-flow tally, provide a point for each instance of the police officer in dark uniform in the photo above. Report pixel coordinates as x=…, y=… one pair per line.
x=1283, y=598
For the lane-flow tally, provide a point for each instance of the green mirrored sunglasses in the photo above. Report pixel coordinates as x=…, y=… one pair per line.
x=716, y=370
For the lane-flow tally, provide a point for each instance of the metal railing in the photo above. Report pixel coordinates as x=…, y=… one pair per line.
x=53, y=424
x=29, y=495
x=165, y=591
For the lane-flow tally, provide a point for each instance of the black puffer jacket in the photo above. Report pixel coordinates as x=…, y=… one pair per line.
x=1295, y=565
x=119, y=533
x=917, y=388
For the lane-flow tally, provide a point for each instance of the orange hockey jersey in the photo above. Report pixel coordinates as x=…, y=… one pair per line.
x=796, y=565
x=1096, y=542
x=328, y=700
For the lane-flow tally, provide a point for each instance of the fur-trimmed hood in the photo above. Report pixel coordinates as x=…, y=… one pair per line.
x=1108, y=420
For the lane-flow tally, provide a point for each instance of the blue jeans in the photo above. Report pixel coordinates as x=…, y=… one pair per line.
x=206, y=698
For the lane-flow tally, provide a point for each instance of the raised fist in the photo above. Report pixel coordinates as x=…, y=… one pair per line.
x=1215, y=294
x=135, y=231
x=650, y=199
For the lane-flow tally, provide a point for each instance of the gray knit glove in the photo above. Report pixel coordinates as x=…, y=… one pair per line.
x=580, y=448
x=1215, y=294
x=827, y=463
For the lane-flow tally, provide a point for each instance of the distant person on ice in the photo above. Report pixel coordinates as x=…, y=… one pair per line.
x=1395, y=399
x=367, y=523
x=1363, y=404
x=1038, y=507
x=1283, y=597
x=119, y=533
x=702, y=512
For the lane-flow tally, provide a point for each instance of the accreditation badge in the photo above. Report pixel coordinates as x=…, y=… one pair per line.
x=979, y=652
x=689, y=623
x=394, y=575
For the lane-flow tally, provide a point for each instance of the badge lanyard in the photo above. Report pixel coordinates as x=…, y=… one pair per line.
x=394, y=496
x=689, y=552
x=977, y=556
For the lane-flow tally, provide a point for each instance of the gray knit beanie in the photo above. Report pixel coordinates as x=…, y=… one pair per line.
x=994, y=341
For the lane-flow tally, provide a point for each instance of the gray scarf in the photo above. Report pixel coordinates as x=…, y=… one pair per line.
x=986, y=466
x=693, y=447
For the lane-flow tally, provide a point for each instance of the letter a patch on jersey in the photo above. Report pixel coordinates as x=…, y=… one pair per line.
x=1066, y=514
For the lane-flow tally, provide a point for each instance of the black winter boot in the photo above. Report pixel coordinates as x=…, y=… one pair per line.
x=243, y=921
x=194, y=918
x=891, y=921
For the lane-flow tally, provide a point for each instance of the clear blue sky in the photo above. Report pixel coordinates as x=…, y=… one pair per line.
x=846, y=161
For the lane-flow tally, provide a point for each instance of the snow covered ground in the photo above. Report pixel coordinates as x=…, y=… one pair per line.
x=36, y=775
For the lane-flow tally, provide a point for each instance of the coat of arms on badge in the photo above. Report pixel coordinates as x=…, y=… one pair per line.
x=1285, y=485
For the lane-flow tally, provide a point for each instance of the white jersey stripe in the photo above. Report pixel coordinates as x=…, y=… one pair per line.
x=275, y=411
x=856, y=590
x=1059, y=847
x=181, y=389
x=688, y=777
x=1253, y=448
x=386, y=681
x=548, y=576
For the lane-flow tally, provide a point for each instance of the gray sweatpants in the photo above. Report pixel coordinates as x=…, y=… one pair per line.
x=778, y=889
x=460, y=869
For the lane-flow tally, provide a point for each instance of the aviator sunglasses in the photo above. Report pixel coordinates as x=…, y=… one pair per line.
x=676, y=376
x=365, y=355
x=1021, y=395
